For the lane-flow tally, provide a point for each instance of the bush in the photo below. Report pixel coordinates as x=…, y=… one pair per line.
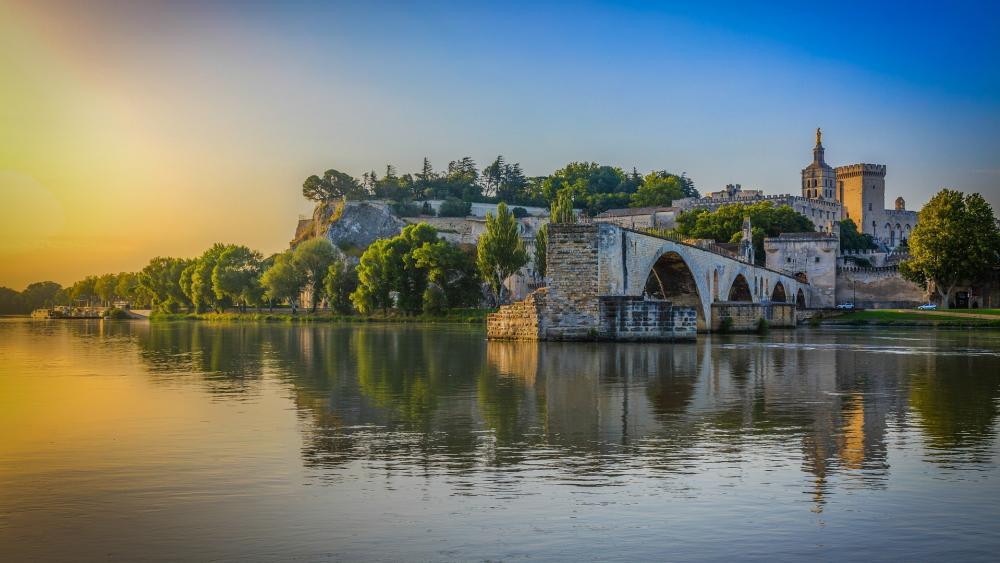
x=454, y=207
x=426, y=209
x=434, y=300
x=762, y=326
x=117, y=314
x=406, y=209
x=519, y=212
x=726, y=324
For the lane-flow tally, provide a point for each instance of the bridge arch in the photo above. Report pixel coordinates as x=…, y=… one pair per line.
x=671, y=279
x=778, y=295
x=740, y=290
x=800, y=299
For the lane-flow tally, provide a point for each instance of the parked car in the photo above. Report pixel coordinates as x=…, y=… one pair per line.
x=846, y=306
x=927, y=307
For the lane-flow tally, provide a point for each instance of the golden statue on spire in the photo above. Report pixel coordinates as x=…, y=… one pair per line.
x=819, y=137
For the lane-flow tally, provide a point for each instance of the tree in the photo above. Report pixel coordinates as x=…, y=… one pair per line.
x=283, y=281
x=236, y=276
x=501, y=251
x=562, y=208
x=200, y=290
x=725, y=224
x=11, y=302
x=388, y=267
x=313, y=259
x=40, y=295
x=541, y=250
x=454, y=207
x=956, y=239
x=104, y=288
x=160, y=279
x=659, y=188
x=851, y=239
x=452, y=275
x=340, y=281
x=334, y=184
x=376, y=275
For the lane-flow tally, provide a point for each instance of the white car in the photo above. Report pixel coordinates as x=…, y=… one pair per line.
x=927, y=307
x=846, y=306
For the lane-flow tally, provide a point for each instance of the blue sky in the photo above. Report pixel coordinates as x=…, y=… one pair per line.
x=215, y=112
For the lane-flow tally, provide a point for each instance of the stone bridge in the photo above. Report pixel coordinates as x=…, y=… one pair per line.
x=606, y=281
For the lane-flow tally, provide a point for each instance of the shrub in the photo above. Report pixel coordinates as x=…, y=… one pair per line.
x=762, y=326
x=117, y=314
x=726, y=324
x=406, y=209
x=519, y=212
x=426, y=209
x=454, y=207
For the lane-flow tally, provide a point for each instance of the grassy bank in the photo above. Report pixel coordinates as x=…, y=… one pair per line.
x=964, y=318
x=471, y=316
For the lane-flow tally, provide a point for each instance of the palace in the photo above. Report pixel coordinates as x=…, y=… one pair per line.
x=830, y=195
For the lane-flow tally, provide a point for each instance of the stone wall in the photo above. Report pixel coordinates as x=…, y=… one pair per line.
x=813, y=255
x=746, y=316
x=877, y=288
x=634, y=319
x=521, y=320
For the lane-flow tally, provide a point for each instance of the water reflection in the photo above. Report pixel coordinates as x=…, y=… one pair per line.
x=444, y=401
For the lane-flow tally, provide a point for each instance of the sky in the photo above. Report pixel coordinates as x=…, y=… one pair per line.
x=135, y=129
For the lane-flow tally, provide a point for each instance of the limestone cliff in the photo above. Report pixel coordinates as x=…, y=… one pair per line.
x=352, y=224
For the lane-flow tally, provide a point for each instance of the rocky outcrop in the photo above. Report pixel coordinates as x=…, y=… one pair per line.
x=349, y=224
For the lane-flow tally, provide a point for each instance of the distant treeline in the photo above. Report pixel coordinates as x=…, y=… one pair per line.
x=592, y=187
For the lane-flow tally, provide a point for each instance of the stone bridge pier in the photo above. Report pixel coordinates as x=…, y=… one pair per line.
x=606, y=281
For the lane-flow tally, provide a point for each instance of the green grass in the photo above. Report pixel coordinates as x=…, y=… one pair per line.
x=471, y=316
x=950, y=318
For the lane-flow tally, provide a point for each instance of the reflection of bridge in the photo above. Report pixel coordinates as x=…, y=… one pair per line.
x=611, y=282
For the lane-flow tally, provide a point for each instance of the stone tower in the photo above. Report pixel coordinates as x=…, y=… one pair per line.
x=861, y=190
x=819, y=179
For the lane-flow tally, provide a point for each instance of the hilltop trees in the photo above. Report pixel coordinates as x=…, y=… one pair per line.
x=725, y=224
x=956, y=239
x=592, y=186
x=334, y=184
x=661, y=188
x=500, y=250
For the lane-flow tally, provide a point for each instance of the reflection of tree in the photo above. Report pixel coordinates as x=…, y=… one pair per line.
x=956, y=398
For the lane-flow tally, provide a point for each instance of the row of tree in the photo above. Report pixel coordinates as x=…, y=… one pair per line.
x=413, y=272
x=593, y=187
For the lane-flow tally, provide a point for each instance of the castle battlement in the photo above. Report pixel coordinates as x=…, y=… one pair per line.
x=860, y=169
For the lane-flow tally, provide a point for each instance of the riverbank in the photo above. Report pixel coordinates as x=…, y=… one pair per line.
x=469, y=316
x=954, y=318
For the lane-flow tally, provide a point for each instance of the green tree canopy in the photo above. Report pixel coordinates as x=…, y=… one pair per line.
x=236, y=276
x=283, y=281
x=501, y=251
x=340, y=281
x=160, y=279
x=851, y=239
x=541, y=250
x=334, y=184
x=660, y=188
x=388, y=267
x=725, y=224
x=451, y=271
x=956, y=240
x=313, y=258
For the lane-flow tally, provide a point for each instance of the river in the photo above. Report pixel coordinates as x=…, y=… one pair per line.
x=240, y=442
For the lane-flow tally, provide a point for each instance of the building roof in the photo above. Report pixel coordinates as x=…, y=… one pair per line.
x=632, y=211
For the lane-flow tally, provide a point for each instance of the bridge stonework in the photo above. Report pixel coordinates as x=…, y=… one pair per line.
x=591, y=267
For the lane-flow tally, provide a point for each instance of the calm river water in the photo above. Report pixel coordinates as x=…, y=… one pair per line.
x=136, y=441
